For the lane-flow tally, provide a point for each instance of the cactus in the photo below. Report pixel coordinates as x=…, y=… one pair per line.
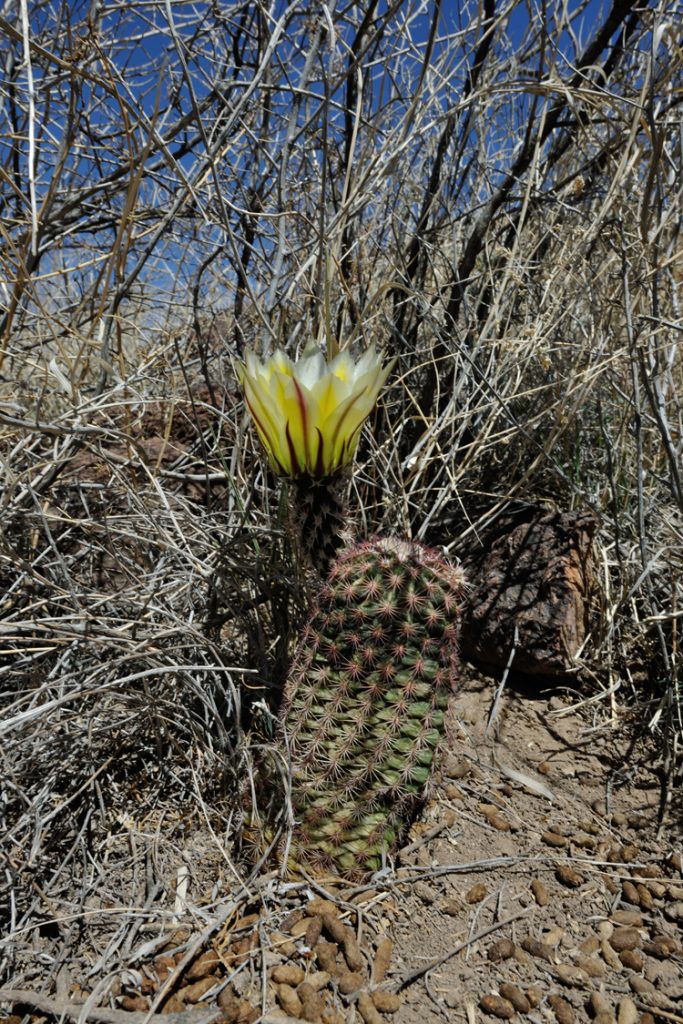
x=365, y=707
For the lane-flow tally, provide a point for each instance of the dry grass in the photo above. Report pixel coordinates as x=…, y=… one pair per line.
x=502, y=220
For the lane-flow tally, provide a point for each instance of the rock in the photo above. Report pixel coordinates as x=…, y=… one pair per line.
x=565, y=873
x=497, y=1006
x=533, y=575
x=552, y=839
x=385, y=948
x=502, y=949
x=515, y=996
x=599, y=1004
x=203, y=965
x=627, y=1012
x=632, y=959
x=540, y=892
x=593, y=967
x=386, y=1002
x=367, y=1009
x=562, y=1009
x=574, y=977
x=135, y=1004
x=288, y=1000
x=537, y=949
x=625, y=938
x=662, y=947
x=349, y=981
x=288, y=974
x=476, y=894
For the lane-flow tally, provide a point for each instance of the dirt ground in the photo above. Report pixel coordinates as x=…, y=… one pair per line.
x=536, y=887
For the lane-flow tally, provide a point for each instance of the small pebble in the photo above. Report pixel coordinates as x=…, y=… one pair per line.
x=288, y=1000
x=568, y=876
x=318, y=907
x=618, y=819
x=632, y=959
x=625, y=938
x=502, y=949
x=497, y=1006
x=515, y=996
x=385, y=948
x=593, y=967
x=553, y=839
x=599, y=1004
x=318, y=980
x=451, y=907
x=562, y=1009
x=629, y=853
x=494, y=817
x=630, y=894
x=645, y=896
x=367, y=1009
x=641, y=986
x=540, y=892
x=609, y=955
x=349, y=981
x=534, y=995
x=135, y=1004
x=537, y=949
x=574, y=977
x=203, y=965
x=662, y=947
x=627, y=1012
x=326, y=955
x=314, y=930
x=386, y=1002
x=194, y=992
x=312, y=1004
x=476, y=894
x=288, y=974
x=299, y=929
x=425, y=893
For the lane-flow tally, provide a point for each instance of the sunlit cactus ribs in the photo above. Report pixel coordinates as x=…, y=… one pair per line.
x=366, y=704
x=309, y=416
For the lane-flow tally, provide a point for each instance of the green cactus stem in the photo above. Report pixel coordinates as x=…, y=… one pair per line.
x=366, y=704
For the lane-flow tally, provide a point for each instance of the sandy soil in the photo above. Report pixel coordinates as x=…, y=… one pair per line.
x=536, y=886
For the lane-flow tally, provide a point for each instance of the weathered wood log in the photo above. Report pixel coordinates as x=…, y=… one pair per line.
x=530, y=588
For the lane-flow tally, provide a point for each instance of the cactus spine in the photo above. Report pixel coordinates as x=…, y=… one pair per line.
x=366, y=703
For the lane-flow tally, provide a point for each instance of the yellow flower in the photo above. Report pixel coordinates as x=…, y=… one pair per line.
x=309, y=414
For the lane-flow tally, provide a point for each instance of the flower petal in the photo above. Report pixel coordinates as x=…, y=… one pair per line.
x=309, y=414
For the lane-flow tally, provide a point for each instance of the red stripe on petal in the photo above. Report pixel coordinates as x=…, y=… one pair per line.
x=319, y=462
x=304, y=418
x=296, y=468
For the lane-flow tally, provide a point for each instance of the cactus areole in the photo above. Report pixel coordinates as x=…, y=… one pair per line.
x=366, y=704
